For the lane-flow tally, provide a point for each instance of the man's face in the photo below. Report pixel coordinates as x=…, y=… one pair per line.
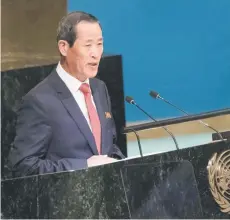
x=84, y=56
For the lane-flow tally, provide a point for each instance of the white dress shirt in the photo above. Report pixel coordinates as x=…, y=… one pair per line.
x=73, y=85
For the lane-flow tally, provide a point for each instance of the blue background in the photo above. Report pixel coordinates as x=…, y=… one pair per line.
x=179, y=48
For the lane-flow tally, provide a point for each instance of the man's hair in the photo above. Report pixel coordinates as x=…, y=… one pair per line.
x=66, y=27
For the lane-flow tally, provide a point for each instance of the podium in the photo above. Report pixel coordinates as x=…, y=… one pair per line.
x=173, y=184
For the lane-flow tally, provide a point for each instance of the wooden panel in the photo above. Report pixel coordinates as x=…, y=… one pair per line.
x=221, y=123
x=29, y=32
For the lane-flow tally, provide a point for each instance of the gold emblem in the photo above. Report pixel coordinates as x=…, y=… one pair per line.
x=219, y=179
x=108, y=115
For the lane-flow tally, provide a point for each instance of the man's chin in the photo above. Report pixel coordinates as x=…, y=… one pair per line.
x=91, y=74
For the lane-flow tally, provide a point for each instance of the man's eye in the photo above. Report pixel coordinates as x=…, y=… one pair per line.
x=88, y=45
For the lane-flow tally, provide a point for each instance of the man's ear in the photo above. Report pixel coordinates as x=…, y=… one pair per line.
x=63, y=47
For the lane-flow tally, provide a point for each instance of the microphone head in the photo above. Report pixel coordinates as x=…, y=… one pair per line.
x=129, y=99
x=154, y=94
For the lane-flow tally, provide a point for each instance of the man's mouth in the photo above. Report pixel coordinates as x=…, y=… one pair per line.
x=93, y=64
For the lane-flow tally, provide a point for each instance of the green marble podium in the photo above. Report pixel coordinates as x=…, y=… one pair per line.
x=165, y=185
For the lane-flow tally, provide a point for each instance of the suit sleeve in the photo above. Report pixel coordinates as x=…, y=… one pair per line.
x=116, y=152
x=33, y=136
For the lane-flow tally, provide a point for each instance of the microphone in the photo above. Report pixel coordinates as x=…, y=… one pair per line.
x=156, y=95
x=130, y=100
x=138, y=140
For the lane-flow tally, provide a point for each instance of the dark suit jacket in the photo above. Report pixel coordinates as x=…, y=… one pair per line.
x=52, y=135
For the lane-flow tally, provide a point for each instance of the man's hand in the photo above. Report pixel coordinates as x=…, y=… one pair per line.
x=99, y=160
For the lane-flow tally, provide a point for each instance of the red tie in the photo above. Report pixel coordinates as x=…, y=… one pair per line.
x=93, y=116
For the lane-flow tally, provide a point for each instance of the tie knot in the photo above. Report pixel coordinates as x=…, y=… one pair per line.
x=85, y=88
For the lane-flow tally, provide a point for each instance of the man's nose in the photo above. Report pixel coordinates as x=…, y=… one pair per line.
x=95, y=52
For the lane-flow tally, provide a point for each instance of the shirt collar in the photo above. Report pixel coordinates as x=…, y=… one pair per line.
x=71, y=82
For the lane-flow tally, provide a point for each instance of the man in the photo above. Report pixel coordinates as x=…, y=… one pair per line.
x=65, y=122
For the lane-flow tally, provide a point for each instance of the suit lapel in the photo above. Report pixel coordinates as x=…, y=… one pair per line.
x=72, y=107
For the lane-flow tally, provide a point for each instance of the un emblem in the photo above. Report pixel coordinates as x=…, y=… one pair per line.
x=219, y=179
